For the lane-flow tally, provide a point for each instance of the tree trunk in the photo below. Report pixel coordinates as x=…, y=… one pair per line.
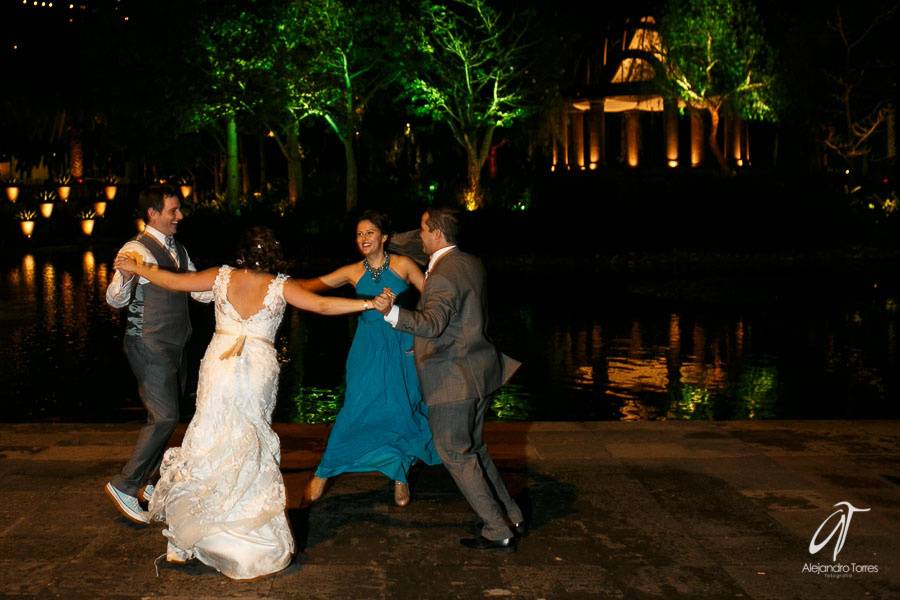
x=232, y=172
x=714, y=142
x=352, y=182
x=476, y=156
x=295, y=166
x=472, y=196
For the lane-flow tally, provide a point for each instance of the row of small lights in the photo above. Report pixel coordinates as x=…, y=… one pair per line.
x=50, y=5
x=27, y=217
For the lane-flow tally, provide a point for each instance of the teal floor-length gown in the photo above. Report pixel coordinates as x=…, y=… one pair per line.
x=383, y=424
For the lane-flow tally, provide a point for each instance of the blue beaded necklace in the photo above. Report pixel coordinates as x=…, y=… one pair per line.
x=377, y=271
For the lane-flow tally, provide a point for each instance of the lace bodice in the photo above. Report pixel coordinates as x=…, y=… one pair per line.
x=264, y=323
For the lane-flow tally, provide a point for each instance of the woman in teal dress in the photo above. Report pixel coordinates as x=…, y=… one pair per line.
x=383, y=424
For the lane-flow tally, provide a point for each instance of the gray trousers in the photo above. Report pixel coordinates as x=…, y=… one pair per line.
x=159, y=370
x=457, y=430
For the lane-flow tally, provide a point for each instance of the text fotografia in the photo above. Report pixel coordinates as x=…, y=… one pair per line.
x=838, y=570
x=840, y=520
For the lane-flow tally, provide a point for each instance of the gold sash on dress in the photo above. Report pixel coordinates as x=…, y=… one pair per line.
x=238, y=347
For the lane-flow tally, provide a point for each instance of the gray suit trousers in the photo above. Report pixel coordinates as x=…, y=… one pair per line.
x=161, y=379
x=457, y=430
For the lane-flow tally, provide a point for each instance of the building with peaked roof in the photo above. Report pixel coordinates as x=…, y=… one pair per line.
x=616, y=113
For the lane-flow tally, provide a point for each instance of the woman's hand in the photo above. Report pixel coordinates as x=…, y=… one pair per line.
x=129, y=262
x=384, y=301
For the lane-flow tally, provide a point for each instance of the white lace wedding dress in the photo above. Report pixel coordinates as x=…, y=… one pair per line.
x=221, y=493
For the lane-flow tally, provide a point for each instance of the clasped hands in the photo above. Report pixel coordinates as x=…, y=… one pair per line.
x=128, y=262
x=384, y=301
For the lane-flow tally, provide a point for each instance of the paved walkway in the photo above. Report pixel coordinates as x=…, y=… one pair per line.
x=619, y=510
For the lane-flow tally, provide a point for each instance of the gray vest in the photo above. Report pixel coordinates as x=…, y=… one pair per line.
x=157, y=314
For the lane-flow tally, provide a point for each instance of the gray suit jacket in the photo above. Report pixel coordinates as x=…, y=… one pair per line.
x=454, y=357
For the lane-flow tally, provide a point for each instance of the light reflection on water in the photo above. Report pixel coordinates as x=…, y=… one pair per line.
x=627, y=357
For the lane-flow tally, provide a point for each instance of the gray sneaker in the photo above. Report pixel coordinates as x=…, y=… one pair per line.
x=127, y=505
x=146, y=493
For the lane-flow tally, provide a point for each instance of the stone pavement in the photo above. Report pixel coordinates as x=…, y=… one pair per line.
x=618, y=510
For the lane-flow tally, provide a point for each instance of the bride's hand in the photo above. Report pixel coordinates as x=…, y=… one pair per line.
x=128, y=262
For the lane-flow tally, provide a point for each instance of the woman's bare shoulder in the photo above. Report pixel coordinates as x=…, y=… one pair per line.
x=403, y=262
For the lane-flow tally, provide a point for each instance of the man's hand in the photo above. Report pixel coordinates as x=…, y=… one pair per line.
x=384, y=301
x=127, y=263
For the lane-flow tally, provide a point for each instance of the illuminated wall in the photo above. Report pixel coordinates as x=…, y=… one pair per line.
x=632, y=137
x=597, y=122
x=736, y=145
x=671, y=116
x=577, y=118
x=697, y=137
x=580, y=139
x=745, y=138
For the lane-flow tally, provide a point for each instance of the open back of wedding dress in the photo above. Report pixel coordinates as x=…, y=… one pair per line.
x=221, y=493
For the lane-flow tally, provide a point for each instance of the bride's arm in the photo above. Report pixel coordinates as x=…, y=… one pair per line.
x=195, y=281
x=296, y=295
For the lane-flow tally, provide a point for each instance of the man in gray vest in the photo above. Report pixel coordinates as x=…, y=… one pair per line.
x=157, y=330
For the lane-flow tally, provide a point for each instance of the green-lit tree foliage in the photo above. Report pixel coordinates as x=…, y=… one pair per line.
x=248, y=49
x=470, y=78
x=284, y=76
x=715, y=56
x=349, y=46
x=227, y=44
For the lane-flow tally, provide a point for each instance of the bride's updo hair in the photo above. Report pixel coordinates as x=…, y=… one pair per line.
x=261, y=251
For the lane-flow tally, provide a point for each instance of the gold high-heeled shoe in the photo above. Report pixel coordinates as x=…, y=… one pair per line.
x=401, y=493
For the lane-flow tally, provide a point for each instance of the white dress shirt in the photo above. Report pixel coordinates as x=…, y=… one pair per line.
x=119, y=292
x=394, y=314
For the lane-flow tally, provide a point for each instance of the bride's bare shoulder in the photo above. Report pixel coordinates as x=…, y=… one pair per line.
x=251, y=278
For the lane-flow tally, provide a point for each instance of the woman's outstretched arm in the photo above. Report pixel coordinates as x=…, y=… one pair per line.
x=335, y=279
x=194, y=281
x=297, y=295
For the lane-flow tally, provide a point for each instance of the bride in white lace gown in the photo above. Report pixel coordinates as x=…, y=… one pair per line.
x=221, y=493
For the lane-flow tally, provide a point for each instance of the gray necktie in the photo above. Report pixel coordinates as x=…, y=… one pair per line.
x=170, y=246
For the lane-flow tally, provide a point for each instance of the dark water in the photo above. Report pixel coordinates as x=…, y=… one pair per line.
x=809, y=347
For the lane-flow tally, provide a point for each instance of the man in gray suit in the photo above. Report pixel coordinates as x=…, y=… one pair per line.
x=157, y=330
x=459, y=368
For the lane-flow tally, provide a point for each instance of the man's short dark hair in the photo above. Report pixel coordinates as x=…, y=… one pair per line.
x=154, y=197
x=444, y=219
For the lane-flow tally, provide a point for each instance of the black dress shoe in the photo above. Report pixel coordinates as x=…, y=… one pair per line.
x=520, y=529
x=482, y=543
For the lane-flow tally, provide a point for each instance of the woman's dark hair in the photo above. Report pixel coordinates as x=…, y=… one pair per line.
x=260, y=251
x=378, y=219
